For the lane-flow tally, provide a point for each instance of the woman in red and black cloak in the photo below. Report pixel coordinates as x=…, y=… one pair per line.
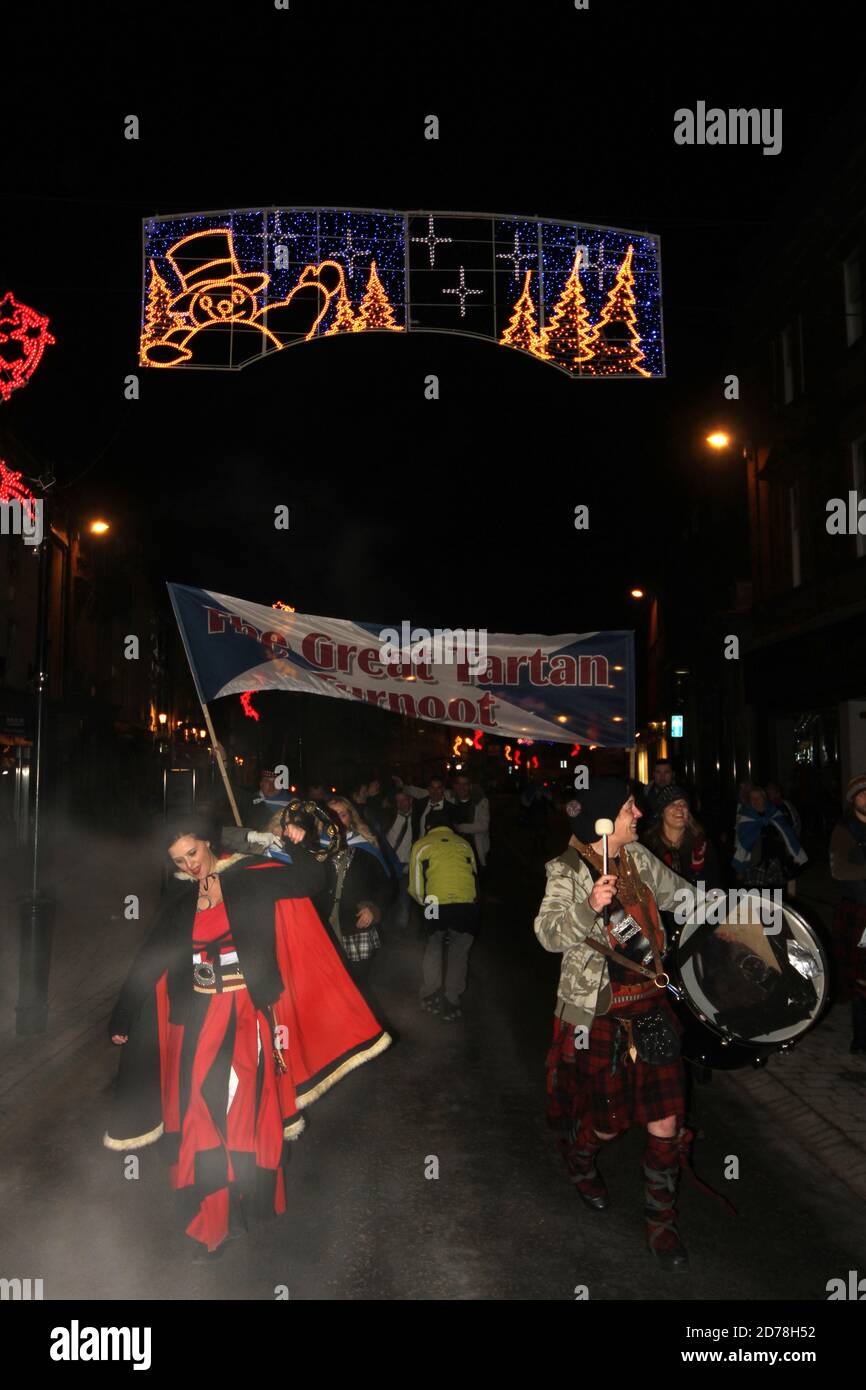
x=237, y=1013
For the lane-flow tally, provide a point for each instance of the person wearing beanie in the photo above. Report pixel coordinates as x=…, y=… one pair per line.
x=679, y=841
x=601, y=1080
x=848, y=866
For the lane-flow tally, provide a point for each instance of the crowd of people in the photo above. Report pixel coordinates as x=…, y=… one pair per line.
x=405, y=851
x=768, y=854
x=285, y=913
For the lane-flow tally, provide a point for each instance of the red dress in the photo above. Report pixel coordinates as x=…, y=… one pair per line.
x=230, y=1142
x=199, y=1074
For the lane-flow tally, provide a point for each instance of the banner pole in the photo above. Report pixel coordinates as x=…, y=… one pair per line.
x=218, y=754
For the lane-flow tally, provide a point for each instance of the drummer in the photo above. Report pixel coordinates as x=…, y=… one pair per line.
x=615, y=1057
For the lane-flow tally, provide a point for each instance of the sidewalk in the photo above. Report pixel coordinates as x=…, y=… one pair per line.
x=817, y=1091
x=89, y=875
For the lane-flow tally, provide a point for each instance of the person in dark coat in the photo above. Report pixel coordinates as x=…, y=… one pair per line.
x=679, y=841
x=359, y=890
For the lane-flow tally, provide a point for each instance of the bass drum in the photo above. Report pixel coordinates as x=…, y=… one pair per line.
x=749, y=987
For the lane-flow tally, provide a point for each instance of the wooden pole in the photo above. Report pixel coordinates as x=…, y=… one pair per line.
x=218, y=754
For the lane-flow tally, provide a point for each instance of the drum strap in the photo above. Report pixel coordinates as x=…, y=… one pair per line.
x=573, y=860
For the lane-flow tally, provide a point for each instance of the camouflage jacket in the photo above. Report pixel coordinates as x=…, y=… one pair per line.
x=565, y=919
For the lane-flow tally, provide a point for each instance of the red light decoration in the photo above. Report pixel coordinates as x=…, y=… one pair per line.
x=575, y=750
x=478, y=740
x=24, y=337
x=246, y=699
x=11, y=487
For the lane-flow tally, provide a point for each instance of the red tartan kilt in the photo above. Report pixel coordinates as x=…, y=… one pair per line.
x=849, y=923
x=580, y=1078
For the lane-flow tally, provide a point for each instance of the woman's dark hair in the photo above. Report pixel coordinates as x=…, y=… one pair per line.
x=195, y=823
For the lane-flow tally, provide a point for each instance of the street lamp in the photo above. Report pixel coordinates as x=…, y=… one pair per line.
x=718, y=439
x=637, y=593
x=98, y=527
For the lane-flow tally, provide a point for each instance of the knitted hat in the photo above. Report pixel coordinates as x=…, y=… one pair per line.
x=603, y=799
x=857, y=784
x=669, y=794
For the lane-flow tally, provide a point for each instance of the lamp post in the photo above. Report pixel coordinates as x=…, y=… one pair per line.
x=37, y=910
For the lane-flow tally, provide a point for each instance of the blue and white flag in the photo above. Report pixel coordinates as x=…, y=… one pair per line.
x=571, y=687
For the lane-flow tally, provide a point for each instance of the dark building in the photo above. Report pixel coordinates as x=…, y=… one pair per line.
x=803, y=402
x=104, y=693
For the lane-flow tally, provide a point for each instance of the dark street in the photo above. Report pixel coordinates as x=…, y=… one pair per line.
x=363, y=1222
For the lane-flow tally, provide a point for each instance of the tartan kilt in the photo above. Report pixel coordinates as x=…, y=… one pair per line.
x=579, y=1079
x=849, y=923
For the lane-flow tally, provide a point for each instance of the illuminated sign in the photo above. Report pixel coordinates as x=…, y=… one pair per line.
x=224, y=289
x=676, y=726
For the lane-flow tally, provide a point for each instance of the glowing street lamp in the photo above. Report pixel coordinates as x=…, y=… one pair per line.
x=637, y=593
x=718, y=439
x=98, y=528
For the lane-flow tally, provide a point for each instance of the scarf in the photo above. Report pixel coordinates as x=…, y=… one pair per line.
x=750, y=826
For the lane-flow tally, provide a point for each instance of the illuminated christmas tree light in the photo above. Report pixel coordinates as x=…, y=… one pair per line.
x=566, y=338
x=159, y=319
x=613, y=355
x=344, y=321
x=522, y=331
x=376, y=310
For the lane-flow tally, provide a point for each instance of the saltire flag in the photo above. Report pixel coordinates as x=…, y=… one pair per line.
x=563, y=688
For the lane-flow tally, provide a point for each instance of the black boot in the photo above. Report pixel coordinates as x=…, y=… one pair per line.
x=662, y=1174
x=580, y=1159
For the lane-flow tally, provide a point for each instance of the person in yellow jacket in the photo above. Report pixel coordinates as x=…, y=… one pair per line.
x=443, y=881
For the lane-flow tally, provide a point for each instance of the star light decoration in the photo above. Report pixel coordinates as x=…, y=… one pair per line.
x=24, y=337
x=517, y=256
x=462, y=291
x=431, y=240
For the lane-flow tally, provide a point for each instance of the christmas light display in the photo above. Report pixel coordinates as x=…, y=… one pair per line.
x=224, y=289
x=24, y=337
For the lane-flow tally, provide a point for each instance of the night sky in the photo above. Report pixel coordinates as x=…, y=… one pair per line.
x=455, y=512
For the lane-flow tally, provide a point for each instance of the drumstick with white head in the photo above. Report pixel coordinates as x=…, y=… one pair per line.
x=604, y=828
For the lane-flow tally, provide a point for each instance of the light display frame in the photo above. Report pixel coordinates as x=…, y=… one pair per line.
x=224, y=288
